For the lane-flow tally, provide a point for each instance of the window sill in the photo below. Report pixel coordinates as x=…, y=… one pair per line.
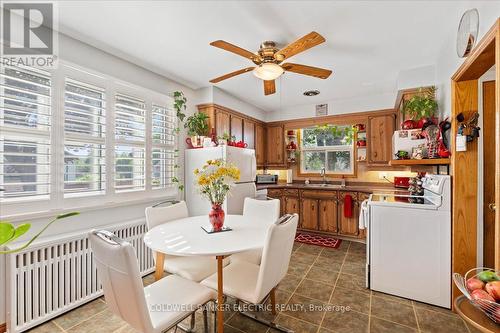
x=87, y=208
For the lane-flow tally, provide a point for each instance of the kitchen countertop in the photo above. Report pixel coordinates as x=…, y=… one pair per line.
x=371, y=188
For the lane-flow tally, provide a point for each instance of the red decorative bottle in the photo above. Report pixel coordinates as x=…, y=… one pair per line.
x=216, y=217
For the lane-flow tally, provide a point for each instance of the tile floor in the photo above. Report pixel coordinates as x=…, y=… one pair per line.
x=318, y=277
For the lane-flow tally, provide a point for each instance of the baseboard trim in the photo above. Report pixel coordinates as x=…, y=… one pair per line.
x=3, y=327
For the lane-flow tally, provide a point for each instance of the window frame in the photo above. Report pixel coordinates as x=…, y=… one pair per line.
x=57, y=201
x=351, y=148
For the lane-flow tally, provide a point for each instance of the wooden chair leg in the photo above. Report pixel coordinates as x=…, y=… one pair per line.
x=273, y=301
x=160, y=262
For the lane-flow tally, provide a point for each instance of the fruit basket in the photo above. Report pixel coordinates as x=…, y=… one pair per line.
x=482, y=287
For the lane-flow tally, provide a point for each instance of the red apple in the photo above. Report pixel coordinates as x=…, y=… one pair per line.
x=493, y=288
x=473, y=284
x=480, y=294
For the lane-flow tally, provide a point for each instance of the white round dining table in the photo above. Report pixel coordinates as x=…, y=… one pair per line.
x=185, y=237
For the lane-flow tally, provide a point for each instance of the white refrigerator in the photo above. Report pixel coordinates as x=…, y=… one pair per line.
x=243, y=158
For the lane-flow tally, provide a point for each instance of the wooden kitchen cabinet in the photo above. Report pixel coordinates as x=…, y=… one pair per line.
x=328, y=215
x=348, y=226
x=291, y=205
x=237, y=128
x=222, y=123
x=260, y=144
x=249, y=133
x=309, y=214
x=277, y=194
x=379, y=136
x=275, y=152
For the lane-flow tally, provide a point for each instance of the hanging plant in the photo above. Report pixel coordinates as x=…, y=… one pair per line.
x=422, y=105
x=180, y=105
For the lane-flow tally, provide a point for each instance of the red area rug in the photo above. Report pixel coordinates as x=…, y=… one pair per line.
x=319, y=240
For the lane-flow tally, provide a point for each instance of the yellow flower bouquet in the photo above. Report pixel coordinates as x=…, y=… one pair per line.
x=214, y=181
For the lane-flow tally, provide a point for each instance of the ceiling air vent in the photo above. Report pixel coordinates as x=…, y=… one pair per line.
x=310, y=93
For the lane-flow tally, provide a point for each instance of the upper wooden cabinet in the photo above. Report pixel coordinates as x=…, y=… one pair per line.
x=379, y=136
x=275, y=152
x=222, y=122
x=249, y=133
x=242, y=127
x=260, y=144
x=237, y=128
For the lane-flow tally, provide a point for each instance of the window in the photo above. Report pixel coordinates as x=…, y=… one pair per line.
x=84, y=141
x=163, y=152
x=130, y=135
x=75, y=138
x=328, y=147
x=25, y=126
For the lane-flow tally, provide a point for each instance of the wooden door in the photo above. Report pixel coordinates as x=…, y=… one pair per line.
x=260, y=142
x=275, y=145
x=379, y=136
x=328, y=215
x=222, y=123
x=237, y=128
x=489, y=156
x=309, y=214
x=348, y=226
x=249, y=133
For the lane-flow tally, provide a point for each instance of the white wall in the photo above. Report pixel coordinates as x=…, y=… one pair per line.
x=216, y=95
x=89, y=57
x=335, y=107
x=448, y=62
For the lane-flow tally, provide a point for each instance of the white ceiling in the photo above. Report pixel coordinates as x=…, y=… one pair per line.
x=367, y=43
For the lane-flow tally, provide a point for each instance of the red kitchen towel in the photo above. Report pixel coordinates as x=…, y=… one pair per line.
x=348, y=206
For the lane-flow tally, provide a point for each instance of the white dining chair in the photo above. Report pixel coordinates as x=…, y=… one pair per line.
x=260, y=211
x=152, y=309
x=252, y=283
x=191, y=268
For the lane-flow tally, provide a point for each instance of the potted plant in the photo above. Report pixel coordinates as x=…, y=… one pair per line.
x=225, y=139
x=420, y=108
x=9, y=233
x=197, y=127
x=214, y=181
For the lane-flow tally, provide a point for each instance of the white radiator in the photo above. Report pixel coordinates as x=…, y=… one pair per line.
x=55, y=276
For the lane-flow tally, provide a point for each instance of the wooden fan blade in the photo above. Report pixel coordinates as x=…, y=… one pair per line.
x=227, y=76
x=236, y=49
x=300, y=45
x=269, y=87
x=307, y=70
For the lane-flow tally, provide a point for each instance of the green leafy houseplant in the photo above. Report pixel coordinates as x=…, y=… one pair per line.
x=180, y=104
x=197, y=124
x=9, y=233
x=422, y=105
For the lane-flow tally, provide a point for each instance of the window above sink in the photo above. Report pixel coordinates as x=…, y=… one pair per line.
x=330, y=147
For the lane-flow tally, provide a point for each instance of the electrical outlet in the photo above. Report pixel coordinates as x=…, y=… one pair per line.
x=382, y=175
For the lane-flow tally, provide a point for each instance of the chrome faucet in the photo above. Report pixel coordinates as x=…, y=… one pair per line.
x=323, y=174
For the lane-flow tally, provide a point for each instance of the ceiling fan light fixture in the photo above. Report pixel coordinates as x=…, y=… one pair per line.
x=268, y=71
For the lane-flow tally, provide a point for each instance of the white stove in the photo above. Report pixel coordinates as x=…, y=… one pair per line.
x=409, y=243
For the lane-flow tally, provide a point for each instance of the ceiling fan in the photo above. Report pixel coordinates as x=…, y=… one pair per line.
x=269, y=60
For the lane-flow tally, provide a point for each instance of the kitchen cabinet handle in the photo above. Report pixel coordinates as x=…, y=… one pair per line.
x=492, y=206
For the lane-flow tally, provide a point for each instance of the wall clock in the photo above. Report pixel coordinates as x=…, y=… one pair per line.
x=467, y=32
